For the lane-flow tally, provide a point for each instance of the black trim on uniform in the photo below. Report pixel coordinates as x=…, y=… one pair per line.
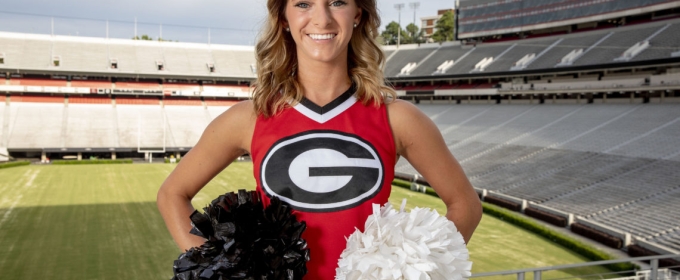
x=330, y=106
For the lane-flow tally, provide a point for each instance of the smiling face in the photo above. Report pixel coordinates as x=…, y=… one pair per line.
x=322, y=29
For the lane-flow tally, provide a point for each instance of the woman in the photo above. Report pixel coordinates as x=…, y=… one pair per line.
x=323, y=130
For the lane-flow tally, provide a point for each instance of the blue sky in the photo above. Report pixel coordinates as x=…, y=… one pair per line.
x=230, y=22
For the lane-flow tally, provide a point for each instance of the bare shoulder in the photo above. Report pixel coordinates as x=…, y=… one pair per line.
x=407, y=121
x=236, y=123
x=401, y=108
x=241, y=115
x=244, y=110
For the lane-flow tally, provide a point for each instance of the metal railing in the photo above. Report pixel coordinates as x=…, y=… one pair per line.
x=538, y=271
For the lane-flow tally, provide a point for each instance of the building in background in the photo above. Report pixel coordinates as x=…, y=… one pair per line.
x=427, y=24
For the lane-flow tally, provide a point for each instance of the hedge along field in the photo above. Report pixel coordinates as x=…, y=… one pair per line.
x=13, y=164
x=101, y=222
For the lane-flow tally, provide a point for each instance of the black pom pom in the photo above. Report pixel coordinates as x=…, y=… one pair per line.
x=245, y=241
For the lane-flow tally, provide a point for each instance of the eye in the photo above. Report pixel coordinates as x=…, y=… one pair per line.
x=302, y=5
x=338, y=3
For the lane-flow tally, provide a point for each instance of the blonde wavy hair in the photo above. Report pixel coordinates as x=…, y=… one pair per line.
x=276, y=56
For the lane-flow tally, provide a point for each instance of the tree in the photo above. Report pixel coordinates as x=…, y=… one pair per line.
x=149, y=38
x=444, y=28
x=410, y=35
x=389, y=36
x=143, y=37
x=415, y=36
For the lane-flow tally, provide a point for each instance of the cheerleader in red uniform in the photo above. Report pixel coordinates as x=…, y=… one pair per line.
x=323, y=130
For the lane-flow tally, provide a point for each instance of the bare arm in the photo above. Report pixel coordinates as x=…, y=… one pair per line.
x=226, y=138
x=420, y=142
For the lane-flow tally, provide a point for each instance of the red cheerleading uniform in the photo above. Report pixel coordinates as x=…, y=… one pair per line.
x=330, y=164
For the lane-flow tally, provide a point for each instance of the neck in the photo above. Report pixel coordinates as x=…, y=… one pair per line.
x=322, y=82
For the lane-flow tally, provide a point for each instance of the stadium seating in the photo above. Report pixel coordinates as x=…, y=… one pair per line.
x=34, y=54
x=234, y=63
x=396, y=63
x=574, y=158
x=222, y=103
x=126, y=57
x=138, y=101
x=186, y=124
x=86, y=55
x=662, y=45
x=553, y=56
x=184, y=102
x=615, y=45
x=138, y=85
x=177, y=60
x=505, y=63
x=91, y=83
x=148, y=57
x=35, y=125
x=499, y=17
x=216, y=110
x=89, y=57
x=599, y=47
x=90, y=126
x=430, y=65
x=37, y=82
x=38, y=99
x=89, y=100
x=142, y=126
x=467, y=64
x=37, y=122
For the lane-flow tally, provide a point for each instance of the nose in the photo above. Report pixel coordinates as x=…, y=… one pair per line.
x=321, y=17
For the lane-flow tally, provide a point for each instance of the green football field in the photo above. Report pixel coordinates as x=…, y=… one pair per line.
x=101, y=222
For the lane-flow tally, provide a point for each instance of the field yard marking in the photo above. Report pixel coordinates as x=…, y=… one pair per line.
x=29, y=183
x=9, y=211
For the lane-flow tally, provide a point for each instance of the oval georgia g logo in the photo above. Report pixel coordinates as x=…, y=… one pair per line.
x=322, y=171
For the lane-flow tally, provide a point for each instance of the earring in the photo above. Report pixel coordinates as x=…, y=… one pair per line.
x=287, y=29
x=355, y=25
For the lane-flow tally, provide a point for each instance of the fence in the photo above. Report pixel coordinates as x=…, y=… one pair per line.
x=652, y=274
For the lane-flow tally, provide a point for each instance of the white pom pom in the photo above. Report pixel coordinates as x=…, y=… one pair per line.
x=402, y=245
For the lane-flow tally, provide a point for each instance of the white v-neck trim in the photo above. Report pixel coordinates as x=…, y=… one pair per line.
x=322, y=118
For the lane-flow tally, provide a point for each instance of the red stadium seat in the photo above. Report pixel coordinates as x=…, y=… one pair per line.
x=91, y=84
x=485, y=86
x=137, y=101
x=37, y=99
x=189, y=102
x=220, y=102
x=138, y=85
x=89, y=100
x=37, y=82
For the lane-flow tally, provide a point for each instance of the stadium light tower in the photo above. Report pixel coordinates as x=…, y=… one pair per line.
x=414, y=6
x=399, y=7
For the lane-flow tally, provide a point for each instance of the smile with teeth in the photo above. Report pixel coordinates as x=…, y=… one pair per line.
x=321, y=36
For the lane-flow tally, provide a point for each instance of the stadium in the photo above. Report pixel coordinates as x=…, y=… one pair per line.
x=565, y=116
